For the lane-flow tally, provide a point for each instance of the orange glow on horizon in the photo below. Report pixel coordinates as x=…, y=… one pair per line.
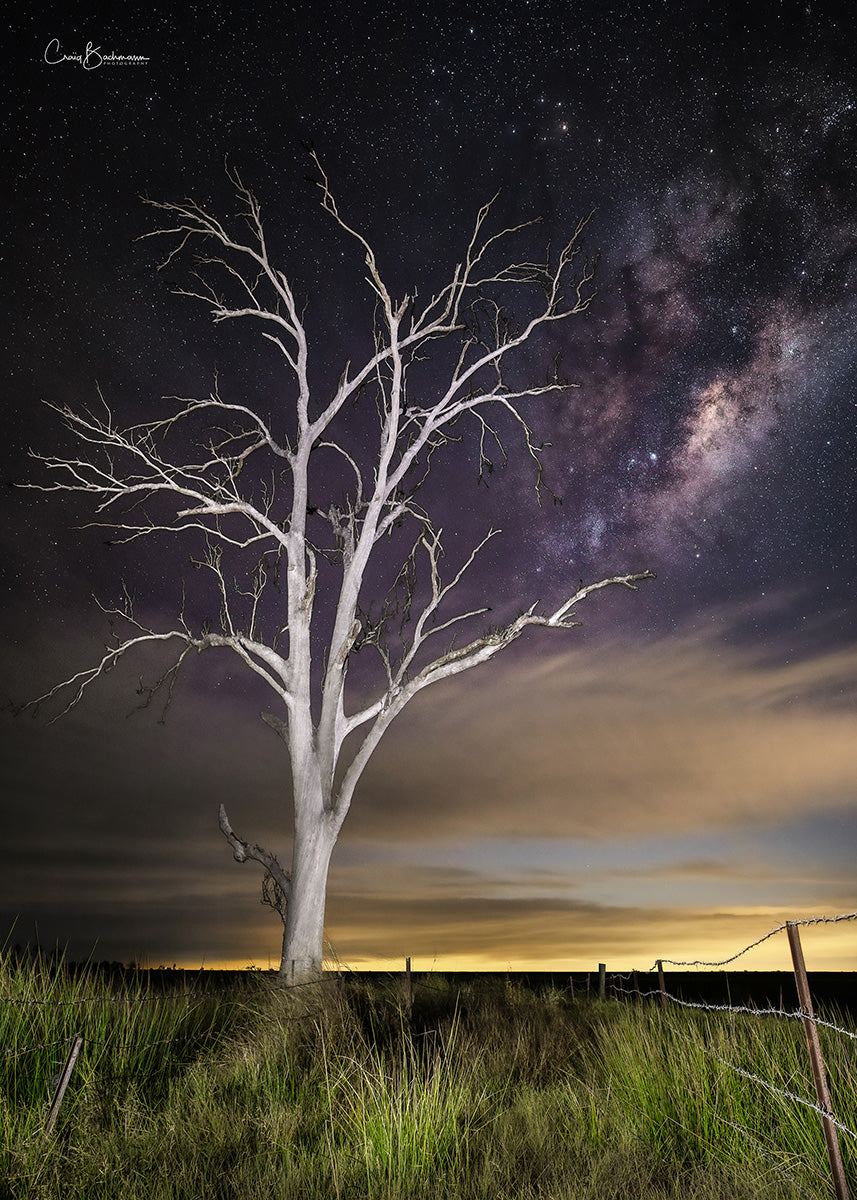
x=687, y=937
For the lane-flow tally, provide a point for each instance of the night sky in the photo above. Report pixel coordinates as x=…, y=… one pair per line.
x=670, y=780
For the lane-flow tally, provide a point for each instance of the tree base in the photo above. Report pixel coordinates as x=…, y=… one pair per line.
x=294, y=972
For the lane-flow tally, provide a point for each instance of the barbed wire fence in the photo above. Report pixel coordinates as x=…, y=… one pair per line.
x=831, y=1124
x=336, y=973
x=67, y=1049
x=70, y=1045
x=589, y=985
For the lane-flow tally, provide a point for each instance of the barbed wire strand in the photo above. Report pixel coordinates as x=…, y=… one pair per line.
x=195, y=993
x=21, y=1050
x=778, y=1091
x=788, y=1095
x=103, y=999
x=766, y=1153
x=740, y=1008
x=723, y=962
x=88, y=1041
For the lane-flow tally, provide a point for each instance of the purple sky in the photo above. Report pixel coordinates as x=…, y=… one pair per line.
x=670, y=780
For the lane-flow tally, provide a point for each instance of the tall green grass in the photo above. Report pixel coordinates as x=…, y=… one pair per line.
x=488, y=1091
x=679, y=1089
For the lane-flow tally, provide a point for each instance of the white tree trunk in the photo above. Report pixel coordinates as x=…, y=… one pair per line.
x=303, y=935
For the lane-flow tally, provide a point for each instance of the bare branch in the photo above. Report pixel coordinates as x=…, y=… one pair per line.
x=454, y=662
x=277, y=896
x=81, y=681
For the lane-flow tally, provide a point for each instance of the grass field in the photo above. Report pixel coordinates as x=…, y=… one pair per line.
x=489, y=1091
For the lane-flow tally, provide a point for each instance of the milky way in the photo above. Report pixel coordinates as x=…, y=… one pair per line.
x=717, y=379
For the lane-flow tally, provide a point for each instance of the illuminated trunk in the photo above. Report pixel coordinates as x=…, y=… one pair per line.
x=303, y=936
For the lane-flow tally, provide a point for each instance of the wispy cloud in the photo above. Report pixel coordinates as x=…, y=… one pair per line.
x=660, y=797
x=681, y=733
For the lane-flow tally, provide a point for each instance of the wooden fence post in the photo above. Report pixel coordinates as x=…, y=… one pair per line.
x=409, y=989
x=62, y=1083
x=636, y=985
x=661, y=983
x=602, y=980
x=571, y=985
x=831, y=1137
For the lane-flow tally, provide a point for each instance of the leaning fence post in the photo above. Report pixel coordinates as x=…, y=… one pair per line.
x=661, y=983
x=571, y=985
x=831, y=1137
x=602, y=980
x=62, y=1083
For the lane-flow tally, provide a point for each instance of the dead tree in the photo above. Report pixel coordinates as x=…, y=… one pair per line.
x=239, y=482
